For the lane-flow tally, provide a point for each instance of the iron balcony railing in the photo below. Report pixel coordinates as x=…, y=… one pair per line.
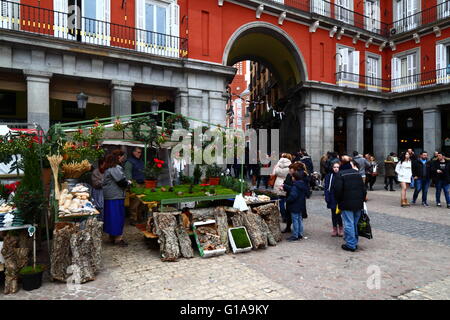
x=424, y=17
x=402, y=84
x=26, y=18
x=336, y=12
x=352, y=80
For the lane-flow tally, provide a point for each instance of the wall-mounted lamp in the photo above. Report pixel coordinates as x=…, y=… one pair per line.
x=154, y=105
x=340, y=122
x=368, y=123
x=409, y=122
x=82, y=99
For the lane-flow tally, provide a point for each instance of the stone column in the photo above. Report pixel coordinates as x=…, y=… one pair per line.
x=121, y=97
x=432, y=139
x=195, y=102
x=181, y=101
x=38, y=98
x=311, y=127
x=355, y=131
x=218, y=107
x=385, y=139
x=328, y=129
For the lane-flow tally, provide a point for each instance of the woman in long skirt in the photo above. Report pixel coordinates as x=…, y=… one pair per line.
x=114, y=186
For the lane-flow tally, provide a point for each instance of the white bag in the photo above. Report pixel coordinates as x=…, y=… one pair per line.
x=365, y=208
x=239, y=203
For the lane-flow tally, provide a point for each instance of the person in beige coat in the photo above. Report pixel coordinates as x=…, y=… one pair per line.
x=281, y=170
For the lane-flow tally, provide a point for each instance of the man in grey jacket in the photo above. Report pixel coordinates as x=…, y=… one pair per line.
x=362, y=163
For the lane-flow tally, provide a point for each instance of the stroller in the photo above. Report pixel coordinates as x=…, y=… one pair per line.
x=316, y=181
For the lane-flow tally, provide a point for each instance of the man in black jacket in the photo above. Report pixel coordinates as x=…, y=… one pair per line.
x=350, y=194
x=440, y=172
x=421, y=172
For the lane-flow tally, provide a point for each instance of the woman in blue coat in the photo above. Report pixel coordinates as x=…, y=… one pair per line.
x=331, y=201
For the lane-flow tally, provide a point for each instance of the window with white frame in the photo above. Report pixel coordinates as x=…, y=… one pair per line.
x=321, y=7
x=405, y=72
x=373, y=70
x=343, y=10
x=83, y=20
x=443, y=62
x=157, y=22
x=372, y=15
x=405, y=15
x=443, y=8
x=10, y=14
x=347, y=67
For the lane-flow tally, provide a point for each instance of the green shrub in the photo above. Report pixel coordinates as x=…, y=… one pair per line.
x=31, y=270
x=240, y=238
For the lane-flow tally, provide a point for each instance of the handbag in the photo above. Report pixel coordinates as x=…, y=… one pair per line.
x=364, y=228
x=271, y=181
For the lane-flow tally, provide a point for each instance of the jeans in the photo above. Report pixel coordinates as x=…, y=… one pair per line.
x=283, y=207
x=297, y=224
x=350, y=220
x=421, y=185
x=336, y=219
x=441, y=184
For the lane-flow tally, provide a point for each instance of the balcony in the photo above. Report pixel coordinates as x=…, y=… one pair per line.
x=398, y=85
x=335, y=13
x=50, y=23
x=422, y=18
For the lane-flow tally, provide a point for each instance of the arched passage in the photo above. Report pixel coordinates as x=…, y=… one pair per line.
x=270, y=45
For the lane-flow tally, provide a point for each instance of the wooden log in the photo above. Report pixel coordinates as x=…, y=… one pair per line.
x=15, y=259
x=184, y=242
x=168, y=241
x=253, y=224
x=222, y=226
x=61, y=251
x=271, y=215
x=95, y=228
x=237, y=219
x=83, y=260
x=266, y=232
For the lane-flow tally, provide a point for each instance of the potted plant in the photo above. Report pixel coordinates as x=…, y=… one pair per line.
x=213, y=173
x=152, y=172
x=32, y=276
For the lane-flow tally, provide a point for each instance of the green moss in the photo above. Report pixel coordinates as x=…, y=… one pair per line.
x=159, y=195
x=31, y=270
x=240, y=238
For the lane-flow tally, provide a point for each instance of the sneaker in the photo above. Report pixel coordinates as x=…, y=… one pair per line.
x=438, y=205
x=413, y=202
x=386, y=188
x=425, y=205
x=344, y=246
x=292, y=239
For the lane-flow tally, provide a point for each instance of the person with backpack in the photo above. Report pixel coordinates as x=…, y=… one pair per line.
x=296, y=204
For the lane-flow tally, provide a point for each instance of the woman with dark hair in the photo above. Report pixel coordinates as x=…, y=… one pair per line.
x=403, y=169
x=336, y=219
x=97, y=187
x=114, y=185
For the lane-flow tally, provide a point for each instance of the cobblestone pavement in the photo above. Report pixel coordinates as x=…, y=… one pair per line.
x=411, y=250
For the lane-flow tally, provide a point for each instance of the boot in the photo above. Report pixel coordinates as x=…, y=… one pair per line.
x=406, y=203
x=341, y=231
x=287, y=230
x=403, y=203
x=334, y=233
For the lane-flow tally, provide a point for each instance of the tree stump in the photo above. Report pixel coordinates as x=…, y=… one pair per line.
x=271, y=215
x=168, y=241
x=15, y=259
x=61, y=250
x=222, y=226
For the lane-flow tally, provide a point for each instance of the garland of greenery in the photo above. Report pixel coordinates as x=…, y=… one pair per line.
x=171, y=120
x=151, y=137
